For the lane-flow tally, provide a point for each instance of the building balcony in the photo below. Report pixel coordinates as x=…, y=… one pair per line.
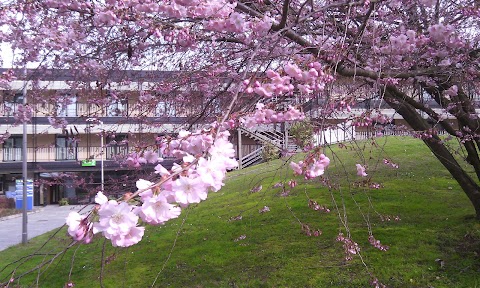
x=55, y=154
x=52, y=154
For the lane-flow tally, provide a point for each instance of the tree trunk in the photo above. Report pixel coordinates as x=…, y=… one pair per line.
x=413, y=118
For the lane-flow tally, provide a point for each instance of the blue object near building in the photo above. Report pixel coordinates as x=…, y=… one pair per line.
x=10, y=194
x=19, y=203
x=19, y=194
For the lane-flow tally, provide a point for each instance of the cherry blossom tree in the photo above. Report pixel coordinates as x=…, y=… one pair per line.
x=260, y=62
x=419, y=57
x=241, y=53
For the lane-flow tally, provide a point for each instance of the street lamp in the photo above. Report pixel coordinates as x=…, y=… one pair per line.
x=24, y=166
x=101, y=159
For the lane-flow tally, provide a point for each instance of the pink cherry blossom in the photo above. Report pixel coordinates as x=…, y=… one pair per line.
x=189, y=190
x=297, y=168
x=156, y=210
x=100, y=198
x=77, y=226
x=361, y=170
x=132, y=237
x=117, y=222
x=145, y=187
x=151, y=156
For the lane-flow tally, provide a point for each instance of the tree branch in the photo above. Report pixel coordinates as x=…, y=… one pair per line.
x=283, y=21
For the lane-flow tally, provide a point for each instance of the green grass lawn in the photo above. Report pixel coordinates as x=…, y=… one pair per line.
x=210, y=246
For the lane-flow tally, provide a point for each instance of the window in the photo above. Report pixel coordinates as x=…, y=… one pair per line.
x=65, y=148
x=165, y=109
x=68, y=108
x=118, y=106
x=116, y=146
x=11, y=102
x=12, y=149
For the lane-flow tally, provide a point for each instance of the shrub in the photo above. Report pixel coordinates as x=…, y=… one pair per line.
x=7, y=203
x=302, y=133
x=270, y=152
x=63, y=202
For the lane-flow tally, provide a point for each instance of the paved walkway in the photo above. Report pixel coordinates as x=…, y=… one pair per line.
x=40, y=221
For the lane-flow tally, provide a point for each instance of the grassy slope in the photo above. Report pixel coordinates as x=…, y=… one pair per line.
x=436, y=223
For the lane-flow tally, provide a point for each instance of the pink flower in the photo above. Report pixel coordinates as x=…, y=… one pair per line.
x=297, y=168
x=100, y=198
x=157, y=210
x=145, y=185
x=293, y=71
x=324, y=160
x=315, y=170
x=117, y=222
x=361, y=171
x=189, y=190
x=132, y=237
x=159, y=169
x=452, y=91
x=211, y=172
x=77, y=227
x=262, y=92
x=151, y=156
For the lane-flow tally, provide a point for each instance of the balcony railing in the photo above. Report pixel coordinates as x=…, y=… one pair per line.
x=7, y=109
x=52, y=154
x=12, y=154
x=113, y=152
x=47, y=154
x=64, y=153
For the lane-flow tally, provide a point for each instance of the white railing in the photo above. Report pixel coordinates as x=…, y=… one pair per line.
x=339, y=133
x=12, y=154
x=47, y=154
x=252, y=158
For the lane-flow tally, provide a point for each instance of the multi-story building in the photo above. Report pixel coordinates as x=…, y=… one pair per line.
x=78, y=122
x=73, y=130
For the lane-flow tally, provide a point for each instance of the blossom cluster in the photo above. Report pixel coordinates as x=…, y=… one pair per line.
x=307, y=81
x=23, y=114
x=264, y=115
x=445, y=34
x=317, y=207
x=452, y=91
x=361, y=170
x=135, y=160
x=177, y=8
x=58, y=122
x=370, y=119
x=427, y=134
x=312, y=167
x=351, y=247
x=403, y=43
x=234, y=24
x=377, y=244
x=390, y=163
x=6, y=78
x=309, y=231
x=156, y=203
